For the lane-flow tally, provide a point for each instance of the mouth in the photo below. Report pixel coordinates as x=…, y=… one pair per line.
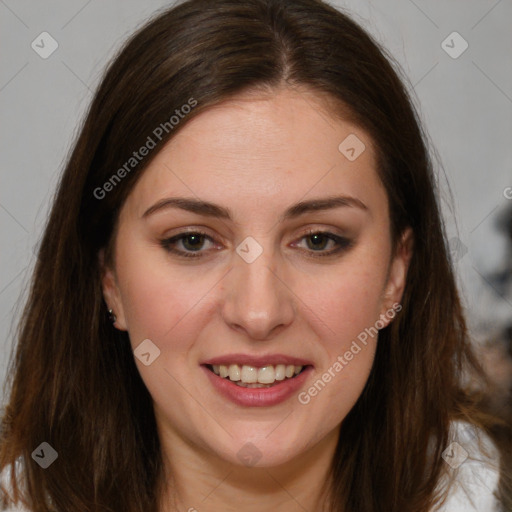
x=249, y=376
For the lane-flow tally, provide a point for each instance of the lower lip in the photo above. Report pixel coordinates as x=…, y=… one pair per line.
x=258, y=397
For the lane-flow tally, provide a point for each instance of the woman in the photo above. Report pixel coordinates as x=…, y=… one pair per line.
x=243, y=299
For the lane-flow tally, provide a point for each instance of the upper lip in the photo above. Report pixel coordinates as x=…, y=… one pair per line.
x=258, y=361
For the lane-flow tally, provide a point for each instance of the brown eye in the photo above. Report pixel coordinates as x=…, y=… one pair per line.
x=191, y=241
x=318, y=240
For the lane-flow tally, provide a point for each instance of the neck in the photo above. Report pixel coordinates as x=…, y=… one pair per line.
x=199, y=481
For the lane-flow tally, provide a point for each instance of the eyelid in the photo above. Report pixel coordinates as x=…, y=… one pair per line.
x=200, y=230
x=168, y=241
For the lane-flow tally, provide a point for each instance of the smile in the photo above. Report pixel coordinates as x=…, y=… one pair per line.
x=256, y=377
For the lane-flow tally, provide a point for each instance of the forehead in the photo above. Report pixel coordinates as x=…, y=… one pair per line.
x=263, y=150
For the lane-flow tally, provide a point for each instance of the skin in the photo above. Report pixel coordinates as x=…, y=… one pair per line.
x=257, y=155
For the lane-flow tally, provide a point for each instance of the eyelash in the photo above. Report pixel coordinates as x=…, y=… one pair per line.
x=342, y=242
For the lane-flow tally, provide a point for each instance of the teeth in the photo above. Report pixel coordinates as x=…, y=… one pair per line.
x=280, y=372
x=266, y=375
x=234, y=372
x=249, y=374
x=258, y=377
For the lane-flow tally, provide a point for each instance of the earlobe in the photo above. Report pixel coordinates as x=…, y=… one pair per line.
x=111, y=293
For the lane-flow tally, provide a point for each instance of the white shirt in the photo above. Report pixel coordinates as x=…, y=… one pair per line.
x=476, y=472
x=477, y=476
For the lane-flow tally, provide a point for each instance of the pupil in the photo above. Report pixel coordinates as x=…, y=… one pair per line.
x=197, y=238
x=316, y=238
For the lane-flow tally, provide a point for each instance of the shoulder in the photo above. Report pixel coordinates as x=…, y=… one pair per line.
x=5, y=484
x=472, y=471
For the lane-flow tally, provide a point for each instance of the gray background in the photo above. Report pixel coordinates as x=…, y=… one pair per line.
x=465, y=103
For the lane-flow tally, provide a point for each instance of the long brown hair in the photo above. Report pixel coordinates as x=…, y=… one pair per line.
x=74, y=383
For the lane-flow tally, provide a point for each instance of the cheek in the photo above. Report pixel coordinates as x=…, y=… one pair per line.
x=157, y=297
x=346, y=323
x=169, y=307
x=344, y=308
x=346, y=303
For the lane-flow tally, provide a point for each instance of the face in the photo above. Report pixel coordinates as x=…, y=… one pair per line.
x=270, y=276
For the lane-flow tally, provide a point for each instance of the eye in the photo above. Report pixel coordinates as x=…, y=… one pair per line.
x=319, y=240
x=193, y=241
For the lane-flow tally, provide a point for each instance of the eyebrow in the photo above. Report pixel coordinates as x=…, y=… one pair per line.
x=209, y=209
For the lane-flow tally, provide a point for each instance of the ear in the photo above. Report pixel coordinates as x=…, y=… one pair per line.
x=111, y=293
x=397, y=274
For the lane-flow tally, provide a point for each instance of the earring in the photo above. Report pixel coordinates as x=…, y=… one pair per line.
x=111, y=316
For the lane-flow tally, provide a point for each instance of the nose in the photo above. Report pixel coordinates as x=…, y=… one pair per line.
x=257, y=301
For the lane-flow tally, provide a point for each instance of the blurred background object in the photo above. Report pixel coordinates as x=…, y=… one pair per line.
x=496, y=351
